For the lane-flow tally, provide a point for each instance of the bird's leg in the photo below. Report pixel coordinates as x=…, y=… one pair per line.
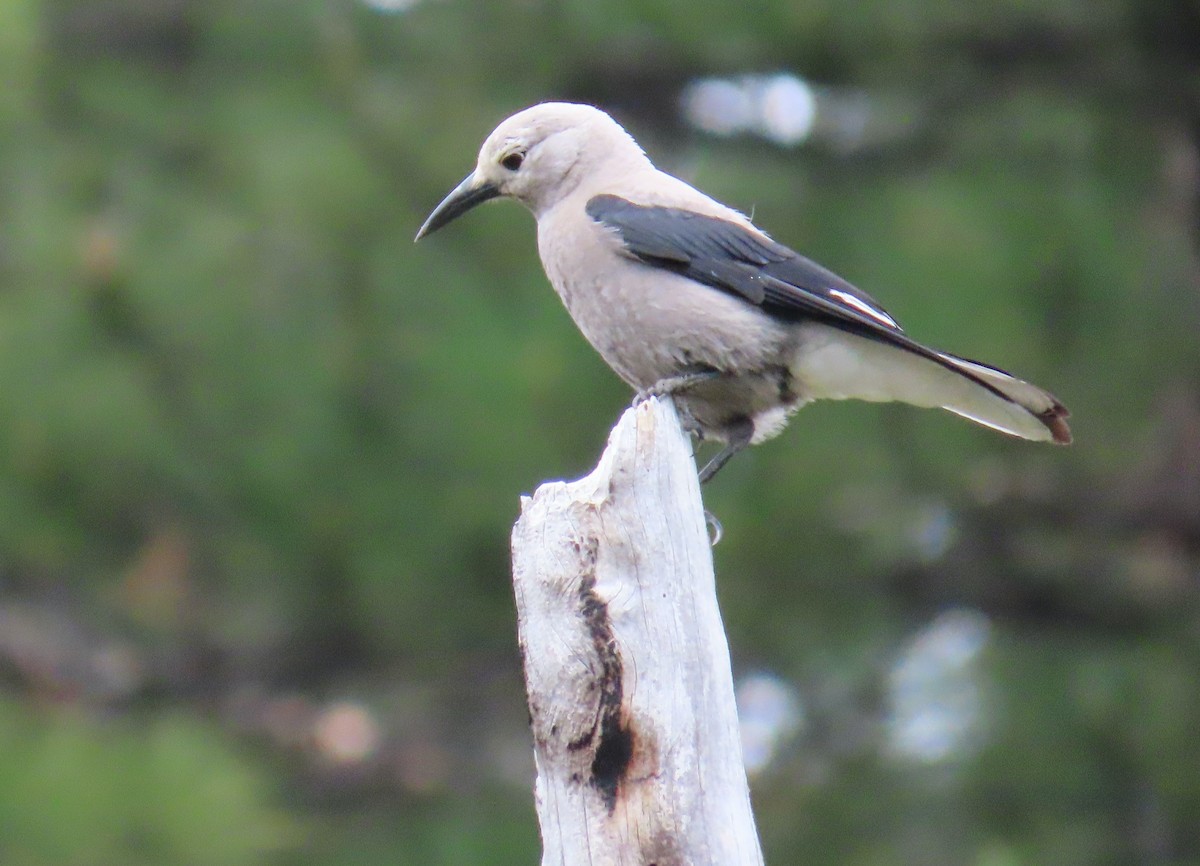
x=672, y=385
x=740, y=434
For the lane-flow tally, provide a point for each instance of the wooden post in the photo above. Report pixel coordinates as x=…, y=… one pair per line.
x=631, y=702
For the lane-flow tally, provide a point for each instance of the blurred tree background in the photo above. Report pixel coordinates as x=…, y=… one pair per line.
x=259, y=455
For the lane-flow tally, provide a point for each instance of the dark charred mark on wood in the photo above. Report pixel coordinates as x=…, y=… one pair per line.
x=614, y=749
x=612, y=759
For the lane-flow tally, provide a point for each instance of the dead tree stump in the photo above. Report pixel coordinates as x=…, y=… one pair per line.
x=627, y=670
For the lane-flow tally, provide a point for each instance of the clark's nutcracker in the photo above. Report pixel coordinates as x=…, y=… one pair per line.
x=683, y=296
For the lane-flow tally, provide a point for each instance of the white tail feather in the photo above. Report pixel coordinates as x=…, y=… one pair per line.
x=837, y=365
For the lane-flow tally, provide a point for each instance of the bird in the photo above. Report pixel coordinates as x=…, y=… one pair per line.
x=684, y=297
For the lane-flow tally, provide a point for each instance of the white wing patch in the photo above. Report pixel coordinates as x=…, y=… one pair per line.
x=863, y=307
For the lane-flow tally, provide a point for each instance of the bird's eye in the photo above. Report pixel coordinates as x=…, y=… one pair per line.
x=513, y=161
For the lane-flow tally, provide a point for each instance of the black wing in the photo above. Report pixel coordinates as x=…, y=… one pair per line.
x=729, y=257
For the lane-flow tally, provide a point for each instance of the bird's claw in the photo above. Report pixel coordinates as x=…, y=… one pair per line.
x=672, y=385
x=714, y=527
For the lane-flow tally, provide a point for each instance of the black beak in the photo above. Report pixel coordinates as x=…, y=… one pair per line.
x=461, y=199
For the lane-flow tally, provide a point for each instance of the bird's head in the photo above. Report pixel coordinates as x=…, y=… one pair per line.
x=537, y=157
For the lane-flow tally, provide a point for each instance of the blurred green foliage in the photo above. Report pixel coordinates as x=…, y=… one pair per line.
x=260, y=455
x=167, y=791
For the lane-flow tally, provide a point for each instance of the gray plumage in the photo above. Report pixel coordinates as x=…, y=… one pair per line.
x=682, y=295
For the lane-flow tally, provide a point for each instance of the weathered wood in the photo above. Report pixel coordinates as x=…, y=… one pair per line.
x=626, y=663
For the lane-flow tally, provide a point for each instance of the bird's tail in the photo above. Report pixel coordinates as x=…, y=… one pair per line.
x=1014, y=406
x=837, y=366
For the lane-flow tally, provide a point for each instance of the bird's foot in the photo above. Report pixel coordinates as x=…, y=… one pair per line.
x=673, y=385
